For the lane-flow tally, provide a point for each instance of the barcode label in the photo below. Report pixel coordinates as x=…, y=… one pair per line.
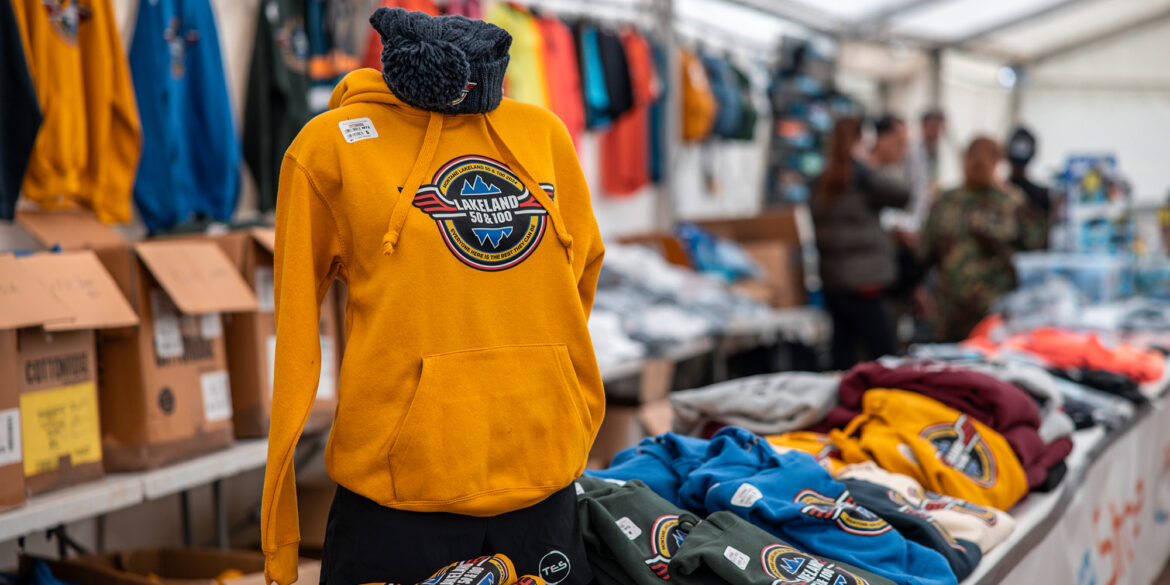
x=10, y=436
x=217, y=396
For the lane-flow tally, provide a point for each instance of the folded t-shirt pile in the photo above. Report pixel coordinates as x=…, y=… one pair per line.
x=769, y=404
x=1065, y=350
x=793, y=498
x=1002, y=408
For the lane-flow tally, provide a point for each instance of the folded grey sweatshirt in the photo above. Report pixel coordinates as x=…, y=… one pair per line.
x=769, y=404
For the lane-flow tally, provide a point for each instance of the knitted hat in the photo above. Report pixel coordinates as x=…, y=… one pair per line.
x=447, y=64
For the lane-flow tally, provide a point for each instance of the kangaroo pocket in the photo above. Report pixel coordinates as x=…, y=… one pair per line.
x=490, y=421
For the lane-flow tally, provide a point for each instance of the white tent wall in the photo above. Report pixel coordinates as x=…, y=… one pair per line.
x=1111, y=97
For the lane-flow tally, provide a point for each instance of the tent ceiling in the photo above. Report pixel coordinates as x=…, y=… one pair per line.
x=1017, y=30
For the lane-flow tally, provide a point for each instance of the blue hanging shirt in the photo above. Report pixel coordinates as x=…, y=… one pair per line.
x=190, y=151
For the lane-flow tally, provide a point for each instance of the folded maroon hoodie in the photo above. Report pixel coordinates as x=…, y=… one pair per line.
x=993, y=402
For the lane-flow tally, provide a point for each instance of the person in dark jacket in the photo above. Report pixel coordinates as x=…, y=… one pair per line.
x=1021, y=148
x=857, y=256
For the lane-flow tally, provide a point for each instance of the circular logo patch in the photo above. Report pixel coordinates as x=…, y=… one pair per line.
x=554, y=567
x=487, y=217
x=843, y=510
x=790, y=566
x=960, y=446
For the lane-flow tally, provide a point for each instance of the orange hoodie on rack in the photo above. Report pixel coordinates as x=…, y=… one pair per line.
x=469, y=383
x=86, y=153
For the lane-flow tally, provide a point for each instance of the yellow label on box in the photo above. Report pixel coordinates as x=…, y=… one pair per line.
x=60, y=422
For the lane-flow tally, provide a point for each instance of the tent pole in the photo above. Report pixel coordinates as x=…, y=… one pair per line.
x=665, y=212
x=935, y=56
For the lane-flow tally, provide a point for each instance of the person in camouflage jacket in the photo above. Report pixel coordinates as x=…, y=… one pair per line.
x=969, y=238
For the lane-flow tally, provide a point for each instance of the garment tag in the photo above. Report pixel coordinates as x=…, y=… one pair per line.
x=168, y=337
x=577, y=487
x=632, y=531
x=265, y=289
x=746, y=495
x=210, y=326
x=217, y=396
x=736, y=557
x=357, y=129
x=9, y=436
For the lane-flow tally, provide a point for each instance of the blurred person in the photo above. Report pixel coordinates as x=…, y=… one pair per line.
x=856, y=254
x=969, y=238
x=1021, y=148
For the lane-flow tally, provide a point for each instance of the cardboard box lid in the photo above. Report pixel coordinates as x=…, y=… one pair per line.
x=72, y=230
x=770, y=225
x=266, y=237
x=25, y=301
x=197, y=276
x=80, y=281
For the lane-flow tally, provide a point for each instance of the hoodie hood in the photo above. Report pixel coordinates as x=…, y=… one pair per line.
x=445, y=64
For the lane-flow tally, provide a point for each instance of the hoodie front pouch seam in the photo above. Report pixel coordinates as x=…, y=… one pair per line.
x=401, y=426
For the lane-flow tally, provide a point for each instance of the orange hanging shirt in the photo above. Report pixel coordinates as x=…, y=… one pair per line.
x=625, y=164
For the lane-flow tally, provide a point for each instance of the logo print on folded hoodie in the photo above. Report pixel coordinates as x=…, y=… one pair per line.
x=843, y=510
x=788, y=565
x=960, y=446
x=665, y=538
x=487, y=217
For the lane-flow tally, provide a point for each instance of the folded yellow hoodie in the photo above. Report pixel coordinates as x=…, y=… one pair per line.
x=469, y=383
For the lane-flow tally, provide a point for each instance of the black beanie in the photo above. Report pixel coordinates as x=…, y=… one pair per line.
x=432, y=62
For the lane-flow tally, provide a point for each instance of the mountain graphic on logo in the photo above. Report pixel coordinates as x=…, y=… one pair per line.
x=493, y=235
x=478, y=188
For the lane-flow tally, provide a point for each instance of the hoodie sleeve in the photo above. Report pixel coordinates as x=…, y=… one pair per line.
x=308, y=258
x=577, y=210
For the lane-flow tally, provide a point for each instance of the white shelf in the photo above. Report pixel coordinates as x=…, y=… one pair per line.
x=622, y=370
x=123, y=490
x=113, y=492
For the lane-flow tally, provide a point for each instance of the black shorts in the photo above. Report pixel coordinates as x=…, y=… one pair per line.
x=366, y=542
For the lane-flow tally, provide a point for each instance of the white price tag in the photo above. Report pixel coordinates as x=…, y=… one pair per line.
x=736, y=557
x=211, y=326
x=628, y=527
x=327, y=386
x=168, y=336
x=746, y=495
x=265, y=289
x=10, y=436
x=357, y=129
x=217, y=396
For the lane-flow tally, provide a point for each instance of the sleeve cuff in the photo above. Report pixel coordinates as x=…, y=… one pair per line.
x=280, y=565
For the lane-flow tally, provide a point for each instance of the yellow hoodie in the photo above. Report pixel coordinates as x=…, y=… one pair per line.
x=469, y=383
x=87, y=150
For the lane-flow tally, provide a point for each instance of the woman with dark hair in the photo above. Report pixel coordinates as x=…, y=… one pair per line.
x=857, y=255
x=970, y=237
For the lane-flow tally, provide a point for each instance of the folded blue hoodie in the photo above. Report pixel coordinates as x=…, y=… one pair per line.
x=662, y=463
x=794, y=498
x=789, y=495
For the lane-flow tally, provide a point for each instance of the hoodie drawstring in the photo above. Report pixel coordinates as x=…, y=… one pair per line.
x=538, y=192
x=413, y=181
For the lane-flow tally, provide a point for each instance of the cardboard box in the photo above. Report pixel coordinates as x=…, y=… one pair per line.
x=11, y=460
x=57, y=366
x=251, y=340
x=314, y=500
x=168, y=566
x=773, y=241
x=165, y=389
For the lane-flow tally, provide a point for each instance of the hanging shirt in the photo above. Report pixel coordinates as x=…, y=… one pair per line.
x=20, y=114
x=657, y=114
x=592, y=78
x=698, y=103
x=278, y=92
x=616, y=70
x=625, y=167
x=726, y=92
x=525, y=80
x=190, y=156
x=560, y=69
x=746, y=129
x=88, y=144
